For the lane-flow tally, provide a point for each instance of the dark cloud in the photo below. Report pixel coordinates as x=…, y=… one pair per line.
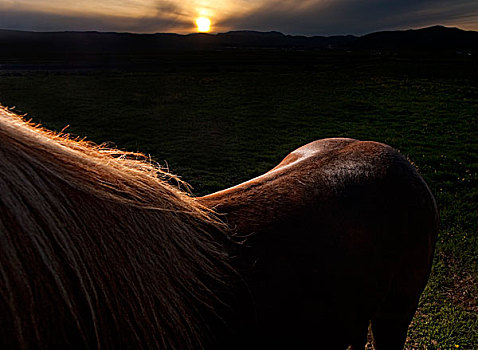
x=355, y=16
x=161, y=21
x=170, y=9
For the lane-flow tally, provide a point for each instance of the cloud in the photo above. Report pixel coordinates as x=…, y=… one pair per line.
x=39, y=21
x=354, y=16
x=310, y=17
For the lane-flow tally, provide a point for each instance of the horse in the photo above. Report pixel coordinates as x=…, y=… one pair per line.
x=100, y=248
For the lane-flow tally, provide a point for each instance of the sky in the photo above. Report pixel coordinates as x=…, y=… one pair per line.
x=299, y=17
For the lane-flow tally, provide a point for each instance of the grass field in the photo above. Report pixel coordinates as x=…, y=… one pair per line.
x=222, y=120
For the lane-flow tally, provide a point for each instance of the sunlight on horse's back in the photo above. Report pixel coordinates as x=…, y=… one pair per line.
x=99, y=250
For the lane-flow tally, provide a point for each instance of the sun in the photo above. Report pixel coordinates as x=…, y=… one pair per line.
x=203, y=24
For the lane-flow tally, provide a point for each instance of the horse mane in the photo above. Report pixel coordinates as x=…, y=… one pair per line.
x=99, y=249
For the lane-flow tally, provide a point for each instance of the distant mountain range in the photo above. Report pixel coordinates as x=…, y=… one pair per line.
x=431, y=39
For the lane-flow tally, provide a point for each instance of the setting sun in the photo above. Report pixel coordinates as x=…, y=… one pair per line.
x=203, y=24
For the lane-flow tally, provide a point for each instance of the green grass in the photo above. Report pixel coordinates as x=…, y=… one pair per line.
x=218, y=127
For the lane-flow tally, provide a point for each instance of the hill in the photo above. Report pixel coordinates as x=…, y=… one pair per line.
x=435, y=39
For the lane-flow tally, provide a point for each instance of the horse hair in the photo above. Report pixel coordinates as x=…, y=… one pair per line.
x=98, y=248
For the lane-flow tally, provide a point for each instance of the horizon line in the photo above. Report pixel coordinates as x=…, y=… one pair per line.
x=239, y=30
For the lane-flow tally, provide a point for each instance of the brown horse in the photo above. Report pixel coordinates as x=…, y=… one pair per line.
x=99, y=250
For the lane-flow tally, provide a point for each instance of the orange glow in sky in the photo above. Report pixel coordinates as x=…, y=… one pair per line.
x=309, y=17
